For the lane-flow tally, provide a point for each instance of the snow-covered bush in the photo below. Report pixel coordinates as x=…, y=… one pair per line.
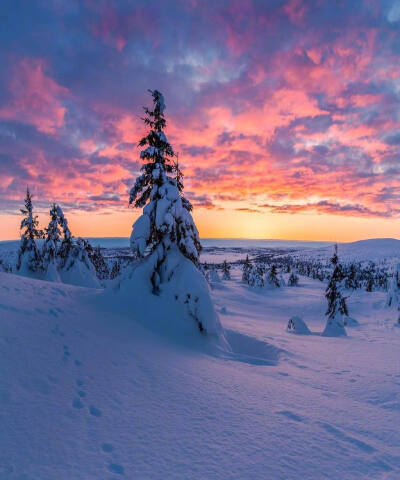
x=337, y=307
x=77, y=268
x=29, y=259
x=297, y=325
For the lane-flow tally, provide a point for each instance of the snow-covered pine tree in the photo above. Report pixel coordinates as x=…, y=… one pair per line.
x=246, y=269
x=226, y=271
x=272, y=279
x=66, y=244
x=29, y=259
x=256, y=276
x=50, y=247
x=116, y=270
x=337, y=308
x=293, y=279
x=165, y=238
x=96, y=257
x=393, y=294
x=166, y=220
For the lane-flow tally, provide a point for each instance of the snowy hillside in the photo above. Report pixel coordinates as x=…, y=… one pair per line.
x=375, y=250
x=87, y=391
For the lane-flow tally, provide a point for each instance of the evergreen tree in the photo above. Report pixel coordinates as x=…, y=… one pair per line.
x=272, y=277
x=100, y=265
x=246, y=269
x=393, y=295
x=50, y=247
x=166, y=220
x=337, y=308
x=351, y=277
x=226, y=271
x=256, y=276
x=29, y=258
x=66, y=244
x=116, y=270
x=293, y=279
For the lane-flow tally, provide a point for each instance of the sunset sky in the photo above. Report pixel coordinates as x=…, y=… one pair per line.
x=285, y=113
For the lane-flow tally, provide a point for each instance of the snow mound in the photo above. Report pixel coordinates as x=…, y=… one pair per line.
x=183, y=309
x=297, y=325
x=334, y=328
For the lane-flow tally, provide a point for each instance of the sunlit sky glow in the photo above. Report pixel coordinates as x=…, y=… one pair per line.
x=285, y=113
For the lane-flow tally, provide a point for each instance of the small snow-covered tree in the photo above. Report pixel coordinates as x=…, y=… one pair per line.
x=272, y=279
x=66, y=244
x=246, y=269
x=293, y=279
x=166, y=220
x=226, y=271
x=29, y=258
x=50, y=247
x=256, y=276
x=99, y=263
x=393, y=294
x=337, y=307
x=116, y=270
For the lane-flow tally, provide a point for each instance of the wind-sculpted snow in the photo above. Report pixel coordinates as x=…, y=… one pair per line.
x=93, y=387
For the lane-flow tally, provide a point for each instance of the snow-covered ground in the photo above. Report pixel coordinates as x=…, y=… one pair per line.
x=90, y=390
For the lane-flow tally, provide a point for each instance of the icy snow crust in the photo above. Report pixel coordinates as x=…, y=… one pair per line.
x=99, y=385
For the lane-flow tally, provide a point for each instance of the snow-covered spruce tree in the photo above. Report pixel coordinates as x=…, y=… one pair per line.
x=165, y=237
x=226, y=271
x=96, y=257
x=393, y=294
x=256, y=276
x=66, y=244
x=337, y=308
x=166, y=220
x=116, y=270
x=50, y=247
x=293, y=279
x=29, y=259
x=75, y=265
x=246, y=269
x=272, y=280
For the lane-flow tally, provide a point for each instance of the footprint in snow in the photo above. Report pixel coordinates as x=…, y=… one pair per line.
x=291, y=415
x=116, y=468
x=107, y=447
x=79, y=382
x=82, y=394
x=78, y=363
x=77, y=403
x=95, y=412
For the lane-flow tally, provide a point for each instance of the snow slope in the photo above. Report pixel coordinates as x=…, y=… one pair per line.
x=87, y=391
x=375, y=249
